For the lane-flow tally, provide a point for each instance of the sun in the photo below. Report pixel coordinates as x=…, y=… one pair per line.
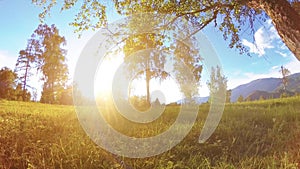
x=105, y=75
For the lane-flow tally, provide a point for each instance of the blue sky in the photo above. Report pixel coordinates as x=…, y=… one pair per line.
x=20, y=18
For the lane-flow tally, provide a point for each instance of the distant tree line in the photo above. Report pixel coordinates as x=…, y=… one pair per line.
x=44, y=54
x=9, y=89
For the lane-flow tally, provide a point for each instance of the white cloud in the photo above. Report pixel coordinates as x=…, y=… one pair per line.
x=264, y=38
x=275, y=67
x=6, y=60
x=253, y=48
x=293, y=65
x=282, y=54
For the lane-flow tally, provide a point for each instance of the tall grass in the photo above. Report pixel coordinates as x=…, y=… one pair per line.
x=260, y=134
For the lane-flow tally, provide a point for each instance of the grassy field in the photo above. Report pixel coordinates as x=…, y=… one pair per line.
x=262, y=134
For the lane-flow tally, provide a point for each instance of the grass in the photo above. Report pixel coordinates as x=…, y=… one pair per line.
x=261, y=134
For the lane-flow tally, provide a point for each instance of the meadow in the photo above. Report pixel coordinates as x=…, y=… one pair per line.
x=258, y=134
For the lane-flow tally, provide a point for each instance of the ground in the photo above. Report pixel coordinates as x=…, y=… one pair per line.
x=261, y=134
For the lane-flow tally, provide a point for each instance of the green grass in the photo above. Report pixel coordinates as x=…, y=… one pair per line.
x=261, y=134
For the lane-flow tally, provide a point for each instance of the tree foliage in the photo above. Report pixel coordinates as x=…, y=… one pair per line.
x=27, y=60
x=44, y=53
x=66, y=97
x=217, y=83
x=232, y=17
x=8, y=88
x=285, y=73
x=149, y=54
x=151, y=62
x=7, y=83
x=228, y=96
x=187, y=57
x=53, y=62
x=240, y=98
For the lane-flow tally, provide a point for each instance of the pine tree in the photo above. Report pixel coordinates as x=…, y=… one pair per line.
x=27, y=60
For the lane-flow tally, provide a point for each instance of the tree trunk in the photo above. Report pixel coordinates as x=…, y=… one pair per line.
x=147, y=83
x=285, y=19
x=25, y=80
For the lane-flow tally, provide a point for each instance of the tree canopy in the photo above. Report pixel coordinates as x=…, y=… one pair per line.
x=231, y=17
x=44, y=53
x=27, y=60
x=52, y=62
x=9, y=89
x=7, y=83
x=217, y=84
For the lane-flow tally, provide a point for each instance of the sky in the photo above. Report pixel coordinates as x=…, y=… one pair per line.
x=20, y=18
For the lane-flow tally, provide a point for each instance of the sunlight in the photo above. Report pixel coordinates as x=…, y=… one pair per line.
x=105, y=75
x=168, y=88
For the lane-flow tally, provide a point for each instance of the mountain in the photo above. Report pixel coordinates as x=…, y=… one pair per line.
x=267, y=87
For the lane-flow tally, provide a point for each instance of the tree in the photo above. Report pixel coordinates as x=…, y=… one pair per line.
x=51, y=62
x=147, y=53
x=139, y=102
x=150, y=62
x=248, y=99
x=7, y=83
x=21, y=95
x=217, y=83
x=261, y=98
x=230, y=17
x=240, y=98
x=27, y=60
x=285, y=73
x=187, y=57
x=228, y=96
x=66, y=97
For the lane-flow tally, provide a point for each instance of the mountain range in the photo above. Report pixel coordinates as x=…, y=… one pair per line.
x=266, y=88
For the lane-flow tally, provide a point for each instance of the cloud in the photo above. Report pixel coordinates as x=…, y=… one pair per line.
x=282, y=54
x=264, y=38
x=275, y=67
x=6, y=60
x=252, y=46
x=293, y=65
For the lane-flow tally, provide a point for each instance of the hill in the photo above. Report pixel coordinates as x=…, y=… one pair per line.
x=266, y=87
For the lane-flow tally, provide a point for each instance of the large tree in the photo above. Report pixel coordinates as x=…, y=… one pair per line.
x=149, y=53
x=187, y=57
x=231, y=17
x=150, y=62
x=52, y=62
